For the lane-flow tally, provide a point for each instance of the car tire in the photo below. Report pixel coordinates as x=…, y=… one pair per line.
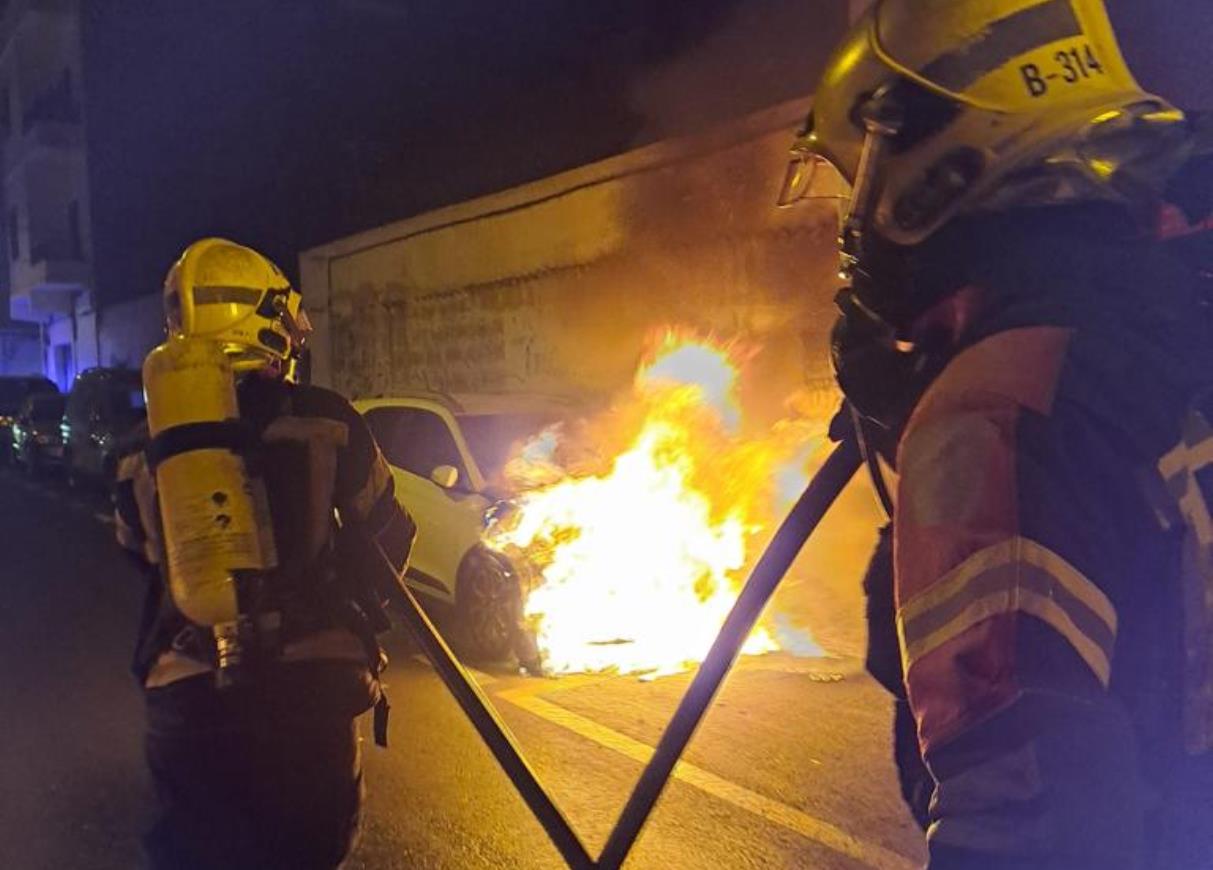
x=488, y=601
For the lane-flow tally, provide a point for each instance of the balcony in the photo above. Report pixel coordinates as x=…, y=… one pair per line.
x=50, y=123
x=48, y=283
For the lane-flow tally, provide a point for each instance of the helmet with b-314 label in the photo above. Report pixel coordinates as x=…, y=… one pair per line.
x=932, y=110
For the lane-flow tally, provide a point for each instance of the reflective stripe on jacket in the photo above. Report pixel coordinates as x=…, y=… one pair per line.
x=1037, y=600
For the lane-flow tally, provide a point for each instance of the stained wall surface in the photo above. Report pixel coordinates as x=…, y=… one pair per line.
x=554, y=288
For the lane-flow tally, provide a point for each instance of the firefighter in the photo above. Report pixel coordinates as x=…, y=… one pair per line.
x=251, y=738
x=1032, y=356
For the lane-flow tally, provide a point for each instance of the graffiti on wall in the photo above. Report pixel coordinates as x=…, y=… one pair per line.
x=560, y=297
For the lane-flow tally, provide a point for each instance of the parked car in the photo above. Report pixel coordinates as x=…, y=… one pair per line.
x=13, y=392
x=37, y=441
x=103, y=406
x=447, y=454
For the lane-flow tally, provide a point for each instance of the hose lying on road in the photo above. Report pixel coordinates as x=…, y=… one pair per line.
x=492, y=729
x=804, y=518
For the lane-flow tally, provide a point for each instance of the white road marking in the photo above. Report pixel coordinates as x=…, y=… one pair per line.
x=107, y=519
x=822, y=832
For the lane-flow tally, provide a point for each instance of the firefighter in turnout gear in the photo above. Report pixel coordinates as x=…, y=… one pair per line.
x=1027, y=338
x=265, y=514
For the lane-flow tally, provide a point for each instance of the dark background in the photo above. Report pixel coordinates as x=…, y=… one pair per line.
x=287, y=123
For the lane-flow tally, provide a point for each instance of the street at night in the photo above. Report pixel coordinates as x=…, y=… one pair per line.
x=791, y=768
x=606, y=435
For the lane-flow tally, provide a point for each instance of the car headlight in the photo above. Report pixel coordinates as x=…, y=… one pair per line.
x=498, y=512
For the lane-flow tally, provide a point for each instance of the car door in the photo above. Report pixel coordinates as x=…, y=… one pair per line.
x=415, y=441
x=121, y=410
x=80, y=423
x=97, y=425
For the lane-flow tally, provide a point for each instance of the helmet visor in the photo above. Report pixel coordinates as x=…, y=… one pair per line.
x=798, y=179
x=811, y=177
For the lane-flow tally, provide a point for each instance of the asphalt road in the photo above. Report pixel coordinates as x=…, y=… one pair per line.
x=790, y=770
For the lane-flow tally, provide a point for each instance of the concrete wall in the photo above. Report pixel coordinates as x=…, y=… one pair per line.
x=130, y=329
x=554, y=287
x=115, y=336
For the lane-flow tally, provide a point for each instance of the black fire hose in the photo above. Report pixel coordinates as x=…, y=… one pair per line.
x=822, y=492
x=492, y=730
x=765, y=578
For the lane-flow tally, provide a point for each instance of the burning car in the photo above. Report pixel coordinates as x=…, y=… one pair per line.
x=617, y=539
x=447, y=455
x=639, y=546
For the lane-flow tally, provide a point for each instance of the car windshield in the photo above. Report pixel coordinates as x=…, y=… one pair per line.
x=494, y=438
x=47, y=409
x=14, y=390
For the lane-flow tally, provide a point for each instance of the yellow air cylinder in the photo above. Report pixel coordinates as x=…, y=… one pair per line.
x=215, y=515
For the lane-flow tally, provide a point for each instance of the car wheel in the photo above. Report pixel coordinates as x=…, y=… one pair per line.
x=489, y=603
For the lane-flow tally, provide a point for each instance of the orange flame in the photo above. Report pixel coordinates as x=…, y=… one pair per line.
x=639, y=562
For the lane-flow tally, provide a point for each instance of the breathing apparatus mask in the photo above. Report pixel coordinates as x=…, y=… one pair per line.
x=881, y=366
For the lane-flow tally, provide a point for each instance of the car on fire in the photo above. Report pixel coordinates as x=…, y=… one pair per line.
x=448, y=454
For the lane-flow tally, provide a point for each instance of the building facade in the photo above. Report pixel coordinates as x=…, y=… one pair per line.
x=45, y=193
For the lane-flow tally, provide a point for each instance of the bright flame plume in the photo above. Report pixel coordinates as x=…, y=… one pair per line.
x=640, y=561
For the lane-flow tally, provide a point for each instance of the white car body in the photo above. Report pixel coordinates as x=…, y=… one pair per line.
x=450, y=519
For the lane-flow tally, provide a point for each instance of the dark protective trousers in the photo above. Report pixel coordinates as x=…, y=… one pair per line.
x=243, y=780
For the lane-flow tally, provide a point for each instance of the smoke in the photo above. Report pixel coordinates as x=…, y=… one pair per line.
x=755, y=54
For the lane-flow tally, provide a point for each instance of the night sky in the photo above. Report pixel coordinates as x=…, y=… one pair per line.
x=287, y=123
x=291, y=122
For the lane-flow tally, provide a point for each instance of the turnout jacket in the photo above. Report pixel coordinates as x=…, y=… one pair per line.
x=1052, y=545
x=320, y=464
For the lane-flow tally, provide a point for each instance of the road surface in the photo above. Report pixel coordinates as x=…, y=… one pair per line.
x=790, y=770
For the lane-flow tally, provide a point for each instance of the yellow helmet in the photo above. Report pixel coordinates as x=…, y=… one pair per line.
x=932, y=108
x=233, y=295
